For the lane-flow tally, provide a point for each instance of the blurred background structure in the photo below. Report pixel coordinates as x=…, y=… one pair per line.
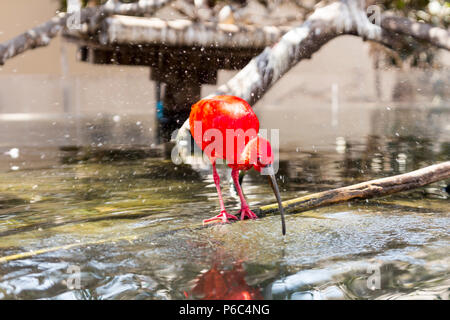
x=58, y=99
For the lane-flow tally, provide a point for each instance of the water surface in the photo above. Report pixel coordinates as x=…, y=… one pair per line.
x=130, y=222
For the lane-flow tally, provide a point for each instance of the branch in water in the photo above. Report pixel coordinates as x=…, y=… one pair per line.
x=365, y=190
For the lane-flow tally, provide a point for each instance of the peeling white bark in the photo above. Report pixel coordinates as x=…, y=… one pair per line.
x=42, y=34
x=182, y=32
x=323, y=25
x=345, y=17
x=339, y=18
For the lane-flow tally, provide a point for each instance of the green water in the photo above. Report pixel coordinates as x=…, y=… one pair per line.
x=132, y=228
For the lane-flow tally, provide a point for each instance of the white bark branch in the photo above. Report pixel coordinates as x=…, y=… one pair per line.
x=42, y=34
x=422, y=31
x=366, y=190
x=346, y=17
x=336, y=19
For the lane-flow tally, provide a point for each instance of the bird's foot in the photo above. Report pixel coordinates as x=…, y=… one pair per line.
x=222, y=217
x=247, y=213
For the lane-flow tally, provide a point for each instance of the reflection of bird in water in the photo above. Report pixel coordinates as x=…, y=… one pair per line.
x=217, y=284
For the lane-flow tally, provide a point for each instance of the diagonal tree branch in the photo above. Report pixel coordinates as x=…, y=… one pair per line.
x=364, y=190
x=41, y=35
x=421, y=31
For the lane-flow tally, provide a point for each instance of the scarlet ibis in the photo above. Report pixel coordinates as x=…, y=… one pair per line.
x=226, y=127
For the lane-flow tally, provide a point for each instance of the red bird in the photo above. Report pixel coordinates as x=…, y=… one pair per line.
x=225, y=127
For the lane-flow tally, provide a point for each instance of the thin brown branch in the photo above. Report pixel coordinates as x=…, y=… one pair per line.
x=365, y=190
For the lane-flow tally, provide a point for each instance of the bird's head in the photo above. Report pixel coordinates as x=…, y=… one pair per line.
x=258, y=154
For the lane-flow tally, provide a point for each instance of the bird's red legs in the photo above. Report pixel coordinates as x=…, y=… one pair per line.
x=223, y=216
x=245, y=211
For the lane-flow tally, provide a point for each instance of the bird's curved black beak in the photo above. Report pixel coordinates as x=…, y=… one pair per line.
x=273, y=183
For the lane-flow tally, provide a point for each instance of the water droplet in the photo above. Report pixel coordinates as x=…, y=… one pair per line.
x=13, y=153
